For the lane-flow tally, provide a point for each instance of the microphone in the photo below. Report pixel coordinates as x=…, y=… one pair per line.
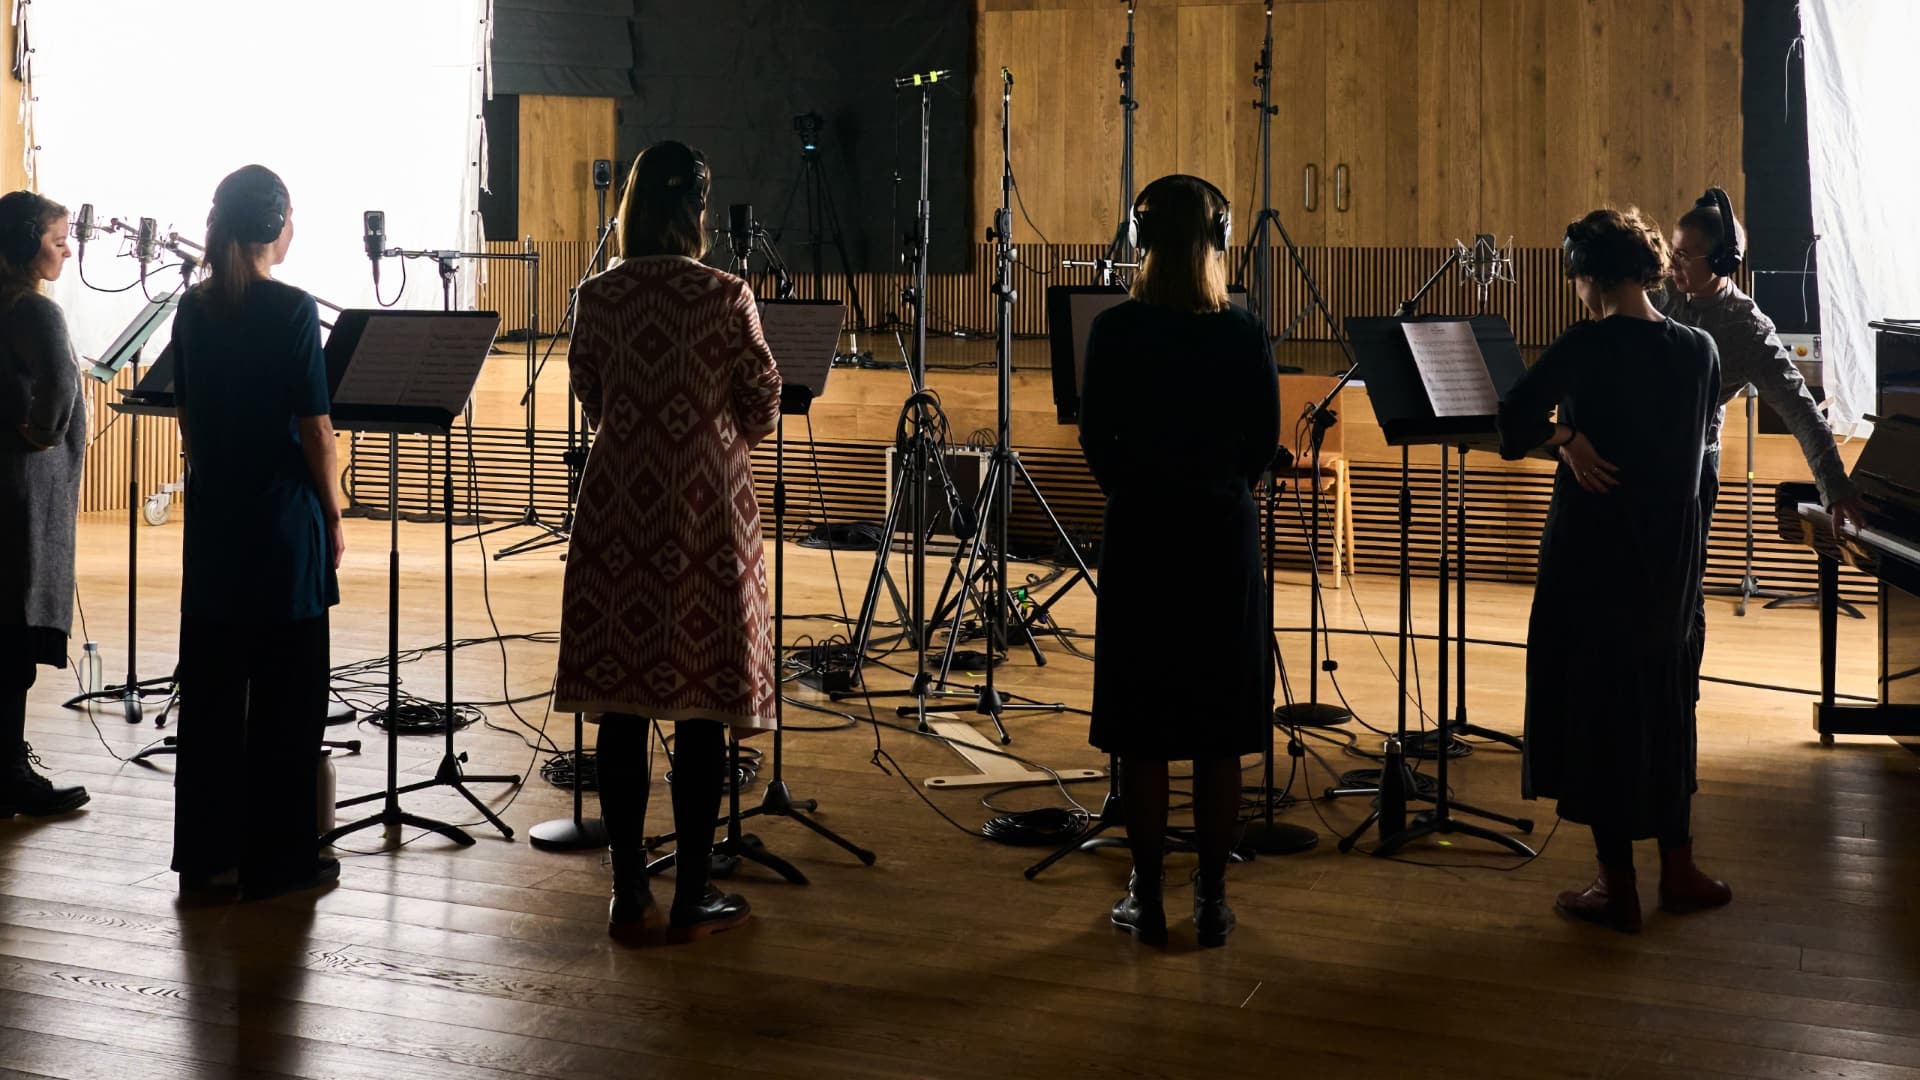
x=146, y=244
x=740, y=229
x=83, y=225
x=922, y=78
x=1006, y=77
x=373, y=233
x=1484, y=263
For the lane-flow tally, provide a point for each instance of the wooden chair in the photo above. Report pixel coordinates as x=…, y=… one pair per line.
x=1297, y=393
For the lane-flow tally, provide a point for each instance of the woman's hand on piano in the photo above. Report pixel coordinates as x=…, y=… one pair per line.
x=1849, y=515
x=1590, y=470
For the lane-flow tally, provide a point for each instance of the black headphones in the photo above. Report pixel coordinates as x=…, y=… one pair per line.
x=252, y=201
x=23, y=243
x=1143, y=233
x=257, y=222
x=1726, y=255
x=20, y=240
x=1573, y=250
x=686, y=178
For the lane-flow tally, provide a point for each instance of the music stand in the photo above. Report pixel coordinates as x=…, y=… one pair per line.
x=803, y=336
x=412, y=372
x=153, y=396
x=1433, y=382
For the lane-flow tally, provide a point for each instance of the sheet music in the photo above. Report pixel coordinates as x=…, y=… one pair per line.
x=1452, y=369
x=803, y=339
x=416, y=362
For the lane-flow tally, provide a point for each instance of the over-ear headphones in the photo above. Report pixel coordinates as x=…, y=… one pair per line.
x=23, y=242
x=20, y=238
x=1573, y=250
x=678, y=169
x=252, y=202
x=1143, y=227
x=1726, y=255
x=261, y=223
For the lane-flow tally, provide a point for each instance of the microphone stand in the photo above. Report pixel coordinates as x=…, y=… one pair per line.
x=1121, y=251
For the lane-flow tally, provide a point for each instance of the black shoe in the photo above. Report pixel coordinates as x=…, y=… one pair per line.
x=205, y=890
x=1142, y=913
x=632, y=916
x=711, y=914
x=267, y=885
x=1212, y=919
x=24, y=791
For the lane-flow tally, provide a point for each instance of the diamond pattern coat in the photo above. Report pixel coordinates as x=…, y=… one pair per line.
x=664, y=613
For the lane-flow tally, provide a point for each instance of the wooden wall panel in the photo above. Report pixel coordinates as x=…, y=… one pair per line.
x=13, y=140
x=103, y=481
x=559, y=139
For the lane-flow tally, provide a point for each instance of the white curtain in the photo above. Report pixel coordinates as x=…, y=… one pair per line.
x=357, y=104
x=1865, y=162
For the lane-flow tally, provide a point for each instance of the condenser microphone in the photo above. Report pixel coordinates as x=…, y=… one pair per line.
x=146, y=244
x=740, y=229
x=83, y=225
x=922, y=78
x=1006, y=77
x=373, y=233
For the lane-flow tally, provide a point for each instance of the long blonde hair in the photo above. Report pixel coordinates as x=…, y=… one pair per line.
x=1182, y=269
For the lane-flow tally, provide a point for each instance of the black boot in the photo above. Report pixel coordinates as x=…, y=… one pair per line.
x=24, y=791
x=710, y=913
x=632, y=916
x=1212, y=918
x=1142, y=912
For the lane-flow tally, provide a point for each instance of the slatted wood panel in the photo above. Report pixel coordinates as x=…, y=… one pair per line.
x=103, y=484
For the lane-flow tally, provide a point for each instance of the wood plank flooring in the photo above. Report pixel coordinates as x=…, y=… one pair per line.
x=431, y=961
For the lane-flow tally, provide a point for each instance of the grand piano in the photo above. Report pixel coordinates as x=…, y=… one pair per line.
x=1887, y=549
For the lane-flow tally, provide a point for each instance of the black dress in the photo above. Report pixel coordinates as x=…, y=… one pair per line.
x=1610, y=643
x=1179, y=415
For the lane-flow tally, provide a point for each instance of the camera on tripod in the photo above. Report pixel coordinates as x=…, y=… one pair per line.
x=807, y=125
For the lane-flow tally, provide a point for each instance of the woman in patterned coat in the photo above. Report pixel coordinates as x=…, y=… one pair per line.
x=665, y=609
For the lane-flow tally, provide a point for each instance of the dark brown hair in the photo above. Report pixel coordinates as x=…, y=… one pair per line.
x=246, y=206
x=1614, y=247
x=25, y=217
x=1182, y=270
x=662, y=210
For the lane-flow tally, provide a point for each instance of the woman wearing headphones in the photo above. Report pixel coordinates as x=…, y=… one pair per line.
x=262, y=544
x=1179, y=418
x=1610, y=644
x=664, y=615
x=43, y=439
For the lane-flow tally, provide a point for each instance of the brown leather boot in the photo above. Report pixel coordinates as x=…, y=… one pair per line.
x=1613, y=901
x=1684, y=887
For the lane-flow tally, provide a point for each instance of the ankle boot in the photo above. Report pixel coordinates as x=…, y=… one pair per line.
x=1213, y=920
x=704, y=915
x=1684, y=887
x=1142, y=912
x=25, y=791
x=1613, y=901
x=632, y=916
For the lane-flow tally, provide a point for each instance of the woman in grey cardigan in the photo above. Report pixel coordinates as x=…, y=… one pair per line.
x=43, y=439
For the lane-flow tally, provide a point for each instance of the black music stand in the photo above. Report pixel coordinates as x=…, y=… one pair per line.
x=411, y=372
x=153, y=396
x=1413, y=411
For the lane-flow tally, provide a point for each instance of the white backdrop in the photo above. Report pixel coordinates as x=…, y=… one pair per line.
x=1865, y=161
x=144, y=106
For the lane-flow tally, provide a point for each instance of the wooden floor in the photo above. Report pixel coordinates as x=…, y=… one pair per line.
x=435, y=962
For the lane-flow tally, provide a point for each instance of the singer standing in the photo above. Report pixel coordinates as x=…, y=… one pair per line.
x=262, y=545
x=1611, y=668
x=43, y=441
x=664, y=616
x=1179, y=418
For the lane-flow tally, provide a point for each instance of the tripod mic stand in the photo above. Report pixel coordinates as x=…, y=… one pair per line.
x=1749, y=588
x=823, y=222
x=1122, y=249
x=1264, y=835
x=777, y=801
x=1260, y=295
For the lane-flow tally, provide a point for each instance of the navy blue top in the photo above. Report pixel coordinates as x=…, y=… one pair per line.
x=256, y=546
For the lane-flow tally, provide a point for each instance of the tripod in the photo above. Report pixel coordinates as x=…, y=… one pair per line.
x=990, y=578
x=777, y=801
x=1122, y=251
x=1749, y=588
x=823, y=218
x=1260, y=297
x=1264, y=835
x=1397, y=784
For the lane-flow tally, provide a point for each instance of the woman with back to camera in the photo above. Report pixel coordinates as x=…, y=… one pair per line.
x=42, y=446
x=262, y=546
x=1179, y=417
x=1611, y=670
x=664, y=616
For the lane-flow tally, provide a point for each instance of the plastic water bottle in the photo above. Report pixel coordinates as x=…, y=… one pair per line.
x=324, y=791
x=93, y=678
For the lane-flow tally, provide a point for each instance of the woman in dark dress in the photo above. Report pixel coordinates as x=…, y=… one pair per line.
x=262, y=545
x=43, y=440
x=1610, y=643
x=1179, y=417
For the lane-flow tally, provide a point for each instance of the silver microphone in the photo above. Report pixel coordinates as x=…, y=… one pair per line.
x=83, y=225
x=146, y=244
